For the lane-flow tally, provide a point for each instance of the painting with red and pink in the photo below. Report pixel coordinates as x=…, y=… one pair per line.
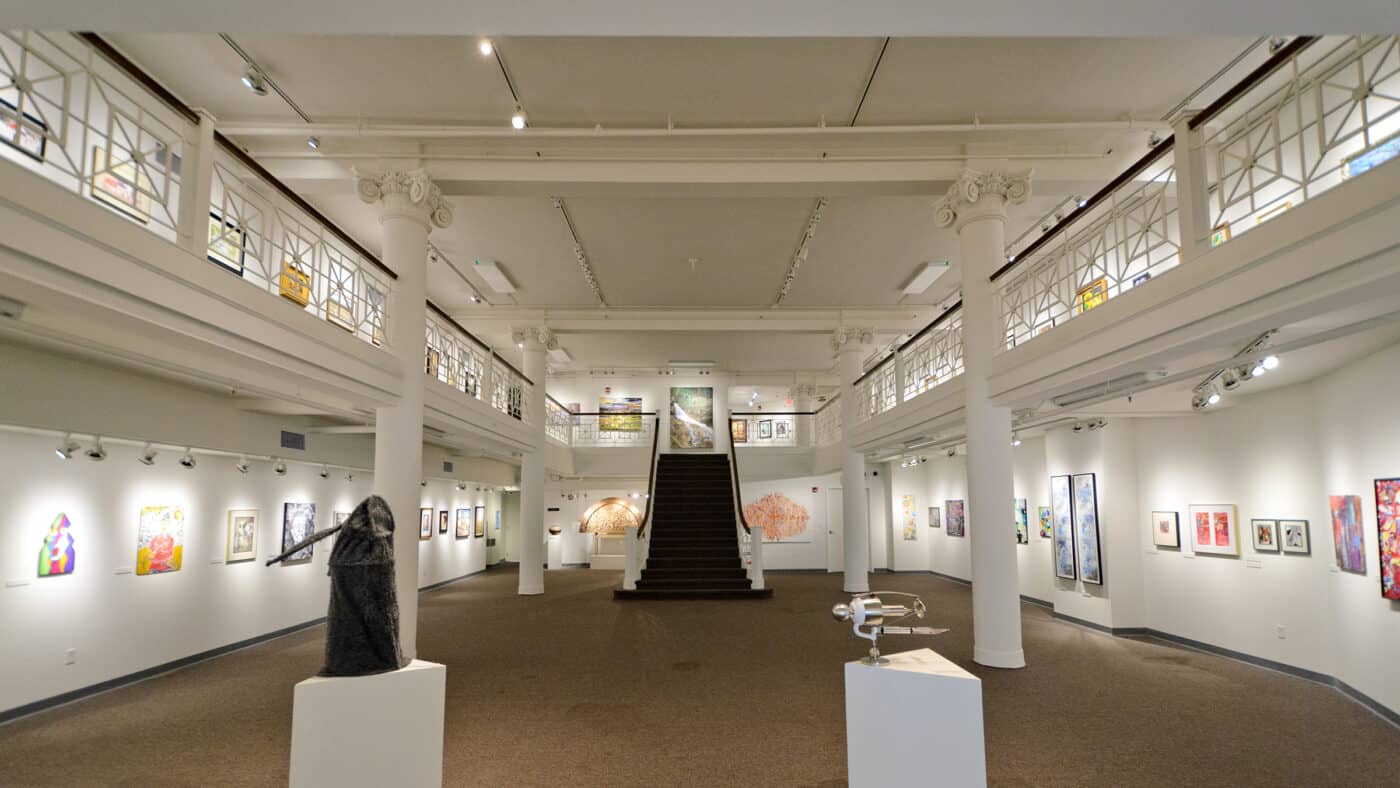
x=1346, y=533
x=1213, y=529
x=1388, y=529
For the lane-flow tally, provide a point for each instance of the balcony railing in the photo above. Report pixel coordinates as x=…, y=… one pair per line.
x=454, y=356
x=929, y=359
x=760, y=430
x=612, y=430
x=558, y=421
x=828, y=423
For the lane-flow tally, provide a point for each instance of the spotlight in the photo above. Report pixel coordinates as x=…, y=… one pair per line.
x=953, y=452
x=349, y=477
x=461, y=486
x=148, y=456
x=325, y=472
x=1258, y=369
x=485, y=47
x=1097, y=424
x=313, y=142
x=1080, y=201
x=1213, y=398
x=187, y=460
x=242, y=465
x=97, y=453
x=279, y=467
x=1015, y=440
x=519, y=119
x=1271, y=362
x=1229, y=380
x=253, y=80
x=423, y=483
x=475, y=299
x=67, y=447
x=1153, y=140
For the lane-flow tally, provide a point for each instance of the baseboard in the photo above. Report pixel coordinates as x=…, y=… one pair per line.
x=767, y=571
x=1039, y=602
x=1116, y=631
x=10, y=715
x=450, y=581
x=951, y=578
x=584, y=565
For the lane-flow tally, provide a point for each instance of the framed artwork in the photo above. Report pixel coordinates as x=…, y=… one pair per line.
x=1166, y=529
x=374, y=312
x=616, y=412
x=781, y=518
x=339, y=518
x=765, y=429
x=739, y=430
x=782, y=429
x=1372, y=157
x=28, y=135
x=57, y=556
x=1043, y=327
x=957, y=521
x=909, y=517
x=1091, y=295
x=442, y=521
x=1220, y=234
x=433, y=360
x=1388, y=533
x=1272, y=212
x=160, y=540
x=481, y=520
x=340, y=297
x=1213, y=529
x=1046, y=527
x=1086, y=528
x=934, y=520
x=1062, y=516
x=1142, y=277
x=1346, y=533
x=226, y=241
x=1295, y=537
x=242, y=542
x=298, y=522
x=1265, y=535
x=464, y=524
x=116, y=186
x=294, y=282
x=1021, y=521
x=498, y=519
x=693, y=418
x=425, y=524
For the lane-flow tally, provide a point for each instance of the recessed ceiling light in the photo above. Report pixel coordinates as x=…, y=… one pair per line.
x=313, y=143
x=254, y=81
x=485, y=47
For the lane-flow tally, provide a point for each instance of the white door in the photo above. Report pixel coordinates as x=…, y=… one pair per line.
x=835, y=548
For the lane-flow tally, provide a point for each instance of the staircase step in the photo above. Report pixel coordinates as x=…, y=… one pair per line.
x=654, y=573
x=676, y=593
x=664, y=562
x=694, y=582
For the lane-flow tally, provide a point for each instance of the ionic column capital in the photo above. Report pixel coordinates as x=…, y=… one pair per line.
x=534, y=337
x=852, y=339
x=980, y=195
x=407, y=194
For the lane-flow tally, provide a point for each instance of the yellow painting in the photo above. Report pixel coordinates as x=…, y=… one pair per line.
x=294, y=284
x=160, y=540
x=1092, y=294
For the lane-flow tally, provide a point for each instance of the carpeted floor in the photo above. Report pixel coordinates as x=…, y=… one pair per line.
x=575, y=689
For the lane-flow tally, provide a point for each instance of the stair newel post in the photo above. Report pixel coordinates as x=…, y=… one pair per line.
x=756, y=555
x=629, y=577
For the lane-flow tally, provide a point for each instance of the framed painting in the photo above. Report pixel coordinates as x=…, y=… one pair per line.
x=1271, y=212
x=620, y=414
x=498, y=519
x=909, y=517
x=765, y=429
x=1043, y=327
x=1141, y=278
x=481, y=520
x=1346, y=533
x=294, y=282
x=340, y=297
x=1166, y=530
x=934, y=520
x=28, y=135
x=739, y=430
x=1213, y=529
x=1086, y=528
x=226, y=242
x=1091, y=295
x=464, y=524
x=298, y=522
x=1388, y=533
x=425, y=524
x=432, y=361
x=1062, y=516
x=782, y=429
x=693, y=418
x=1220, y=234
x=116, y=186
x=58, y=556
x=442, y=521
x=1295, y=537
x=160, y=540
x=1265, y=535
x=1021, y=521
x=957, y=519
x=1046, y=523
x=242, y=542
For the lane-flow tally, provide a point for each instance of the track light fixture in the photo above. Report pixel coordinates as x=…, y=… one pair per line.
x=97, y=453
x=1097, y=424
x=242, y=465
x=279, y=467
x=461, y=486
x=485, y=47
x=1015, y=439
x=313, y=142
x=187, y=460
x=325, y=472
x=253, y=80
x=519, y=119
x=148, y=456
x=1270, y=362
x=66, y=448
x=349, y=477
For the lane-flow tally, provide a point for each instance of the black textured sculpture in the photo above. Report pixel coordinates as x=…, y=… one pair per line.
x=362, y=623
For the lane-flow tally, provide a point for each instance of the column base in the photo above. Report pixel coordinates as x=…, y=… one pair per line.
x=530, y=590
x=859, y=585
x=998, y=659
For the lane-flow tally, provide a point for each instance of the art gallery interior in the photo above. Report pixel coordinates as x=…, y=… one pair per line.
x=698, y=352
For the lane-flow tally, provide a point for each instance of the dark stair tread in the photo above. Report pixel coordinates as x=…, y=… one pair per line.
x=693, y=593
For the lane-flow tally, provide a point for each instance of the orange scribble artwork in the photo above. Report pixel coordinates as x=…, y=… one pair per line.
x=779, y=516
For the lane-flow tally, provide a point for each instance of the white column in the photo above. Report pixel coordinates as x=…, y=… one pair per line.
x=536, y=341
x=976, y=206
x=409, y=205
x=853, y=344
x=196, y=188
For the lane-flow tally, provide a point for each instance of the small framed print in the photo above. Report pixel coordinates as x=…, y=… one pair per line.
x=226, y=242
x=425, y=523
x=115, y=185
x=739, y=430
x=434, y=359
x=1265, y=533
x=28, y=135
x=782, y=429
x=464, y=523
x=1294, y=537
x=765, y=429
x=1272, y=212
x=481, y=521
x=1213, y=529
x=442, y=521
x=242, y=535
x=934, y=519
x=1166, y=530
x=1220, y=234
x=1091, y=295
x=1142, y=277
x=1043, y=327
x=294, y=283
x=339, y=311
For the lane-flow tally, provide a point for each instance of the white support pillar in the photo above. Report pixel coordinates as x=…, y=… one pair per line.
x=853, y=344
x=756, y=559
x=196, y=189
x=536, y=340
x=976, y=207
x=632, y=569
x=1192, y=201
x=409, y=205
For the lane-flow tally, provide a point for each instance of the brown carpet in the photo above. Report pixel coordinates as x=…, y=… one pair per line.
x=573, y=688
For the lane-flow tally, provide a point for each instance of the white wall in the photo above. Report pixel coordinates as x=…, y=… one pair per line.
x=798, y=555
x=577, y=548
x=655, y=392
x=947, y=480
x=1031, y=481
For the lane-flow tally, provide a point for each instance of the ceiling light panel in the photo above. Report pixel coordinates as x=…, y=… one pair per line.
x=493, y=276
x=926, y=277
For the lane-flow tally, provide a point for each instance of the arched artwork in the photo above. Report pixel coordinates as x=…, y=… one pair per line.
x=609, y=517
x=57, y=556
x=781, y=518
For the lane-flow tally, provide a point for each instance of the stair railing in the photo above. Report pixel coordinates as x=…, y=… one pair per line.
x=638, y=548
x=755, y=540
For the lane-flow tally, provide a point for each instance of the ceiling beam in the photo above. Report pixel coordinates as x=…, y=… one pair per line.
x=793, y=321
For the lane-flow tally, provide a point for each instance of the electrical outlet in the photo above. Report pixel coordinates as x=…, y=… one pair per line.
x=1282, y=631
x=70, y=656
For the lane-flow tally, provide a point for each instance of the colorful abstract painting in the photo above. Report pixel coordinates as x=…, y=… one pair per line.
x=242, y=541
x=934, y=519
x=693, y=417
x=909, y=517
x=57, y=556
x=1086, y=528
x=615, y=412
x=1046, y=527
x=160, y=540
x=1062, y=515
x=298, y=522
x=1265, y=535
x=781, y=518
x=464, y=524
x=1213, y=529
x=1295, y=537
x=1166, y=529
x=1388, y=530
x=608, y=517
x=1021, y=521
x=1346, y=533
x=957, y=521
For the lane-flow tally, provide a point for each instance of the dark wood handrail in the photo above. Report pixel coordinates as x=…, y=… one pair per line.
x=435, y=309
x=935, y=323
x=734, y=470
x=1282, y=56
x=828, y=404
x=651, y=478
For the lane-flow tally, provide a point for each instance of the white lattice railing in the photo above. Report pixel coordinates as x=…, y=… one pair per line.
x=261, y=236
x=877, y=391
x=934, y=358
x=1332, y=112
x=828, y=423
x=558, y=421
x=613, y=431
x=765, y=431
x=509, y=390
x=456, y=358
x=70, y=116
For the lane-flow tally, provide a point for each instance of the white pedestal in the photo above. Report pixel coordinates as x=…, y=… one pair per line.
x=370, y=730
x=914, y=722
x=555, y=552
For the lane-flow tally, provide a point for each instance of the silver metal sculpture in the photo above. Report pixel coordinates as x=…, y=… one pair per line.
x=867, y=610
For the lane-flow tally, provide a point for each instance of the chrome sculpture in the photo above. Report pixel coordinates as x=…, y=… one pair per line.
x=869, y=611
